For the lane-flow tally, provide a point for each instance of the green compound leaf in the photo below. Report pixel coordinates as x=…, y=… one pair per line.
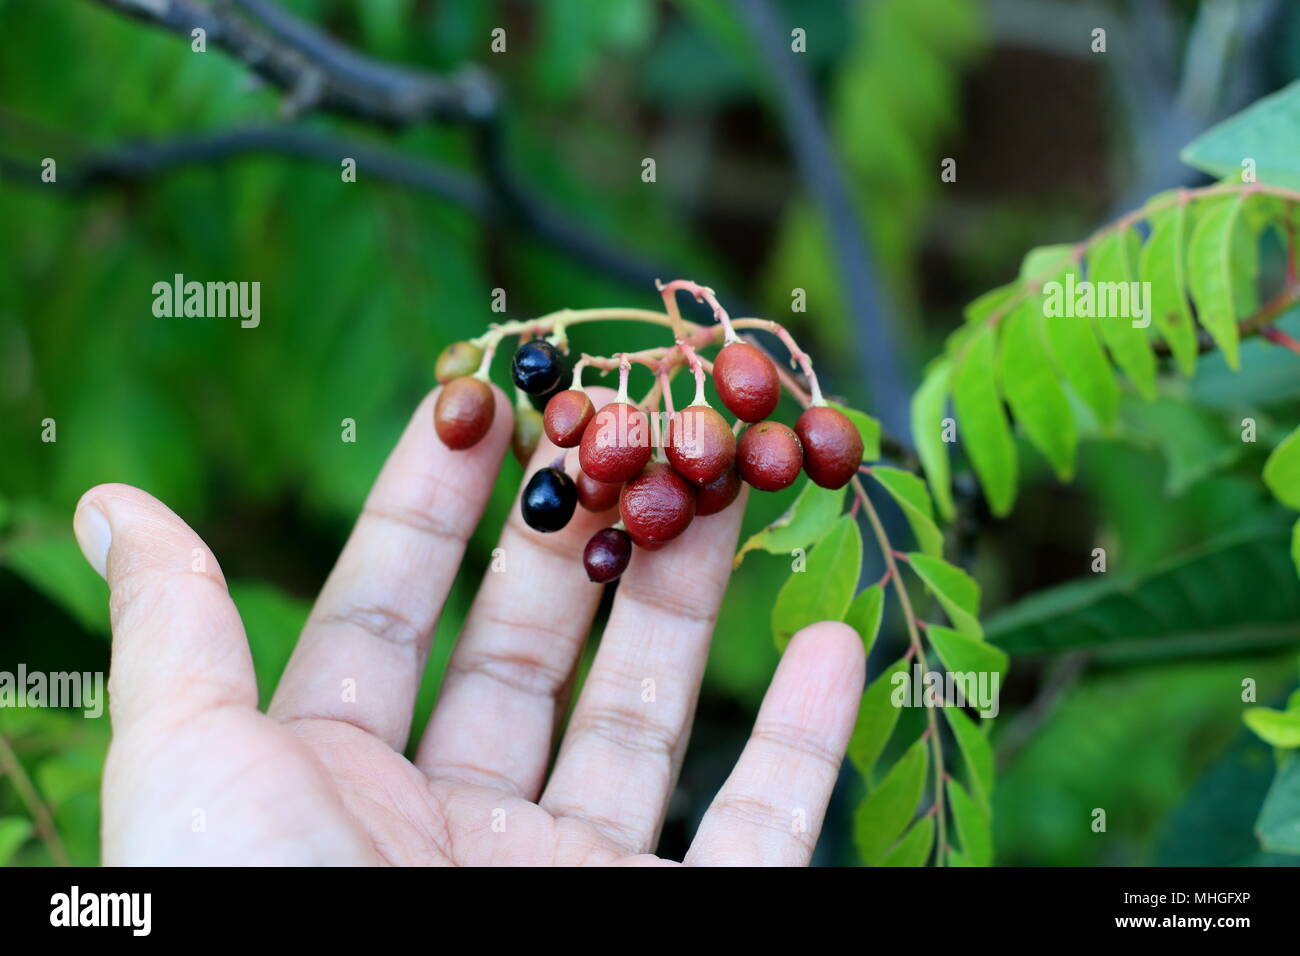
x=1033, y=389
x=811, y=516
x=956, y=590
x=864, y=615
x=985, y=432
x=1276, y=727
x=1044, y=263
x=974, y=826
x=1222, y=261
x=914, y=848
x=824, y=589
x=962, y=654
x=909, y=491
x=877, y=717
x=1112, y=272
x=1073, y=341
x=868, y=428
x=1268, y=132
x=1237, y=594
x=979, y=311
x=1282, y=471
x=929, y=404
x=1163, y=264
x=883, y=816
x=977, y=754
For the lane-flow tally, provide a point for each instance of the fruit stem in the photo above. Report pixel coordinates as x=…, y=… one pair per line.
x=560, y=321
x=624, y=369
x=650, y=358
x=578, y=366
x=664, y=383
x=485, y=366
x=668, y=292
x=797, y=355
x=697, y=369
x=702, y=293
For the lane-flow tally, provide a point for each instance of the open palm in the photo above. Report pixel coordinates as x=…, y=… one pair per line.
x=196, y=774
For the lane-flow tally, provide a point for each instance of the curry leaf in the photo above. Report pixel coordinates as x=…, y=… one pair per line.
x=985, y=433
x=824, y=589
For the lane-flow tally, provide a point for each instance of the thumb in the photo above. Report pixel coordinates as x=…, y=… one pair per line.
x=178, y=644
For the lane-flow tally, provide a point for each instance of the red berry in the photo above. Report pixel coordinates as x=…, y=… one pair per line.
x=700, y=444
x=769, y=456
x=656, y=505
x=832, y=447
x=567, y=416
x=606, y=555
x=463, y=412
x=596, y=495
x=645, y=545
x=717, y=494
x=746, y=381
x=616, y=444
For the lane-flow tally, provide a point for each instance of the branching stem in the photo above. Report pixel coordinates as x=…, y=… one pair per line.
x=918, y=651
x=1032, y=285
x=40, y=812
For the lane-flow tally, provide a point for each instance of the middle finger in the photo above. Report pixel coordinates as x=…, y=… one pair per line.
x=509, y=674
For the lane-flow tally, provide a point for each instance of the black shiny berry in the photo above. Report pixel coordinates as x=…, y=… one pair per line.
x=537, y=367
x=607, y=555
x=549, y=500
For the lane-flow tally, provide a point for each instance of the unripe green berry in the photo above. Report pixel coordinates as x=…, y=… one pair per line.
x=456, y=361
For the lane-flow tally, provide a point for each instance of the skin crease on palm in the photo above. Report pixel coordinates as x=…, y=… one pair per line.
x=321, y=778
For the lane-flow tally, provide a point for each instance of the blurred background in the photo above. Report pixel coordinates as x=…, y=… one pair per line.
x=823, y=176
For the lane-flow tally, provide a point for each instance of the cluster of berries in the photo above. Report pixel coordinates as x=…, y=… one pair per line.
x=702, y=464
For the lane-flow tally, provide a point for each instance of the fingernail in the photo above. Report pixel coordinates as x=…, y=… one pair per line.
x=94, y=535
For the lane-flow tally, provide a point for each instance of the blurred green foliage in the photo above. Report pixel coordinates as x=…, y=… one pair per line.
x=238, y=429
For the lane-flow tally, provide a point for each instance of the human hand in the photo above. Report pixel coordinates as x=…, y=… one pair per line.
x=321, y=778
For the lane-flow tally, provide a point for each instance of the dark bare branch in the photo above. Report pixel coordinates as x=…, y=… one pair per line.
x=294, y=56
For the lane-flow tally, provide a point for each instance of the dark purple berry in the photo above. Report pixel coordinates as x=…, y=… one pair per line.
x=607, y=554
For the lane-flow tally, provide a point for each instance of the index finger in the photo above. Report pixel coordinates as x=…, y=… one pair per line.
x=370, y=629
